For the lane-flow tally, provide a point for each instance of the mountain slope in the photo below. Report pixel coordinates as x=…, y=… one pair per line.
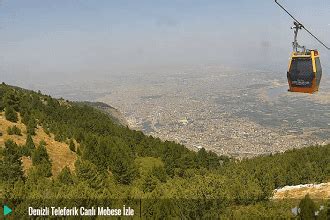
x=59, y=153
x=114, y=162
x=113, y=113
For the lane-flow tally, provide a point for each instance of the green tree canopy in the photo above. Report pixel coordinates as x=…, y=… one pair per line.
x=11, y=166
x=14, y=131
x=307, y=208
x=29, y=146
x=72, y=146
x=11, y=114
x=65, y=176
x=40, y=155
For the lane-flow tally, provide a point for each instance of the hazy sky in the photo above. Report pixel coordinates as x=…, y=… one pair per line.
x=99, y=37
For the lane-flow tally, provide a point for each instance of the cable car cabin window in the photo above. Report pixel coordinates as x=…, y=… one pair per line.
x=301, y=72
x=318, y=65
x=318, y=71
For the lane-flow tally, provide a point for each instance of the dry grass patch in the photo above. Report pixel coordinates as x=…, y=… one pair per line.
x=4, y=124
x=59, y=153
x=27, y=164
x=316, y=191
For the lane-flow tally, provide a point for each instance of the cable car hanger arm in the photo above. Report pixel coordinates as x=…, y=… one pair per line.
x=302, y=25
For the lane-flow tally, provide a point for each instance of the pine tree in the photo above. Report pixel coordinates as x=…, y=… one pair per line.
x=41, y=161
x=25, y=117
x=150, y=183
x=79, y=151
x=11, y=168
x=40, y=155
x=160, y=173
x=29, y=146
x=11, y=98
x=123, y=167
x=65, y=176
x=202, y=158
x=87, y=171
x=44, y=169
x=2, y=104
x=11, y=114
x=72, y=146
x=31, y=126
x=307, y=208
x=14, y=131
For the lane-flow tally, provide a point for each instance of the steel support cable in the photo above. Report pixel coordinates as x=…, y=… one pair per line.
x=301, y=25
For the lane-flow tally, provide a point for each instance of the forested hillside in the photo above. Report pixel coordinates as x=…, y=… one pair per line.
x=114, y=114
x=114, y=163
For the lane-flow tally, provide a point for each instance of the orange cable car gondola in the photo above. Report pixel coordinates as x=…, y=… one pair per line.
x=305, y=70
